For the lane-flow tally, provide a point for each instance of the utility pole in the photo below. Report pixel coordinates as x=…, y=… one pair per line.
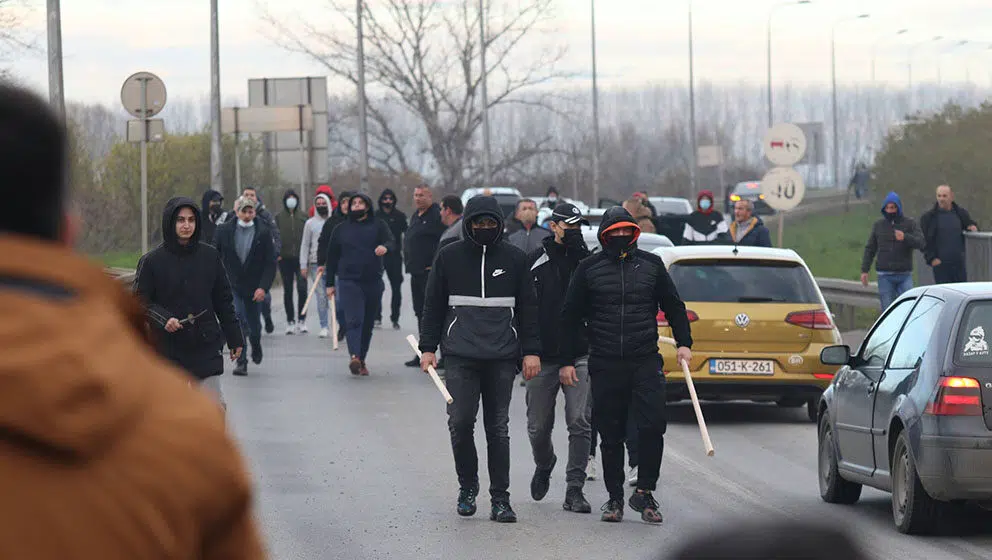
x=216, y=173
x=56, y=93
x=692, y=113
x=595, y=114
x=363, y=132
x=486, y=161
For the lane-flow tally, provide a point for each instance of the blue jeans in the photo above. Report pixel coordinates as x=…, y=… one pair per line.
x=251, y=323
x=891, y=285
x=319, y=294
x=360, y=302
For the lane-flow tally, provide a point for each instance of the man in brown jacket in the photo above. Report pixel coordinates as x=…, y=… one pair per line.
x=105, y=450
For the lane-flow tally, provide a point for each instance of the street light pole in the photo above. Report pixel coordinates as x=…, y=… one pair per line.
x=56, y=92
x=771, y=121
x=595, y=111
x=363, y=135
x=874, y=53
x=486, y=161
x=833, y=73
x=692, y=112
x=216, y=174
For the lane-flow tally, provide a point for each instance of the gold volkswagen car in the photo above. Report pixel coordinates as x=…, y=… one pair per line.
x=759, y=322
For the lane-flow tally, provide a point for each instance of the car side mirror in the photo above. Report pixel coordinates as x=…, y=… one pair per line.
x=839, y=355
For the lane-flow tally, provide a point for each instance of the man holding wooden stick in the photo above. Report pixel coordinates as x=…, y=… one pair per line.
x=617, y=294
x=481, y=308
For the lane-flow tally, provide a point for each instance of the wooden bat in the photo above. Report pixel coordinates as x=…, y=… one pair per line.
x=433, y=373
x=707, y=444
x=334, y=322
x=316, y=280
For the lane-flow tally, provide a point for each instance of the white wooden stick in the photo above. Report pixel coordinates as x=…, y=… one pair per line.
x=433, y=373
x=316, y=280
x=334, y=322
x=707, y=444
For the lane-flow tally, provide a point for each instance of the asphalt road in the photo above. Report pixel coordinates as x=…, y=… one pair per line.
x=360, y=467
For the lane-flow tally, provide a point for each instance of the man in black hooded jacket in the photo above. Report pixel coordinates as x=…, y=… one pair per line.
x=617, y=293
x=393, y=261
x=185, y=289
x=481, y=308
x=213, y=215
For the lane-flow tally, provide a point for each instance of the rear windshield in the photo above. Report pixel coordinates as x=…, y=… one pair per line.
x=738, y=281
x=676, y=207
x=972, y=345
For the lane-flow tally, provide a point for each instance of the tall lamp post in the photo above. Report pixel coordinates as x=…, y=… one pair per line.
x=216, y=173
x=486, y=161
x=874, y=52
x=363, y=133
x=833, y=73
x=56, y=93
x=692, y=113
x=769, y=85
x=595, y=112
x=909, y=57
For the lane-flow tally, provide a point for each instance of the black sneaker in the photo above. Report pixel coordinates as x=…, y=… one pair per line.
x=466, y=502
x=396, y=325
x=341, y=335
x=269, y=327
x=612, y=511
x=241, y=369
x=541, y=481
x=645, y=504
x=256, y=354
x=415, y=362
x=575, y=501
x=503, y=513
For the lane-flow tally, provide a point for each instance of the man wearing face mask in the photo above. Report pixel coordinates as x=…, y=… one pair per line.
x=354, y=265
x=212, y=204
x=338, y=217
x=308, y=258
x=528, y=239
x=291, y=223
x=706, y=225
x=481, y=309
x=617, y=293
x=393, y=261
x=891, y=244
x=552, y=266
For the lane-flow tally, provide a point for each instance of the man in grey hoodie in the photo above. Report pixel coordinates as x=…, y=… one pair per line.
x=308, y=259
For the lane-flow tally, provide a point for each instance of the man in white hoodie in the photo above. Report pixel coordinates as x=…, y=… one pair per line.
x=308, y=257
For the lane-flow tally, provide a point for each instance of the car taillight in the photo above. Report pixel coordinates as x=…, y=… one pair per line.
x=956, y=396
x=823, y=375
x=663, y=322
x=814, y=319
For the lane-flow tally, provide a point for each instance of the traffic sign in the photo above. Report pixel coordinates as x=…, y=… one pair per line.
x=785, y=144
x=147, y=130
x=154, y=95
x=783, y=188
x=709, y=156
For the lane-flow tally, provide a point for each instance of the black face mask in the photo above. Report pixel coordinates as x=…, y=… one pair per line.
x=619, y=243
x=322, y=210
x=357, y=215
x=485, y=236
x=891, y=216
x=388, y=204
x=215, y=209
x=573, y=238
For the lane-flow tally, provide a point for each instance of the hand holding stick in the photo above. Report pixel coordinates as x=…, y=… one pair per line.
x=695, y=401
x=430, y=370
x=316, y=280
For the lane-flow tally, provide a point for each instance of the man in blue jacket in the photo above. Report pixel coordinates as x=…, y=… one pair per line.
x=747, y=229
x=891, y=243
x=481, y=308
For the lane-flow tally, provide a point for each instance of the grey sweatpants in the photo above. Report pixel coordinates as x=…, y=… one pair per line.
x=542, y=396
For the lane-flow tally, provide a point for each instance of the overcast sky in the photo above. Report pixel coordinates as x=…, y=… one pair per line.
x=638, y=41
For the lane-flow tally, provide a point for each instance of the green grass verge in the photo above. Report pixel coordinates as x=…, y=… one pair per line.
x=119, y=260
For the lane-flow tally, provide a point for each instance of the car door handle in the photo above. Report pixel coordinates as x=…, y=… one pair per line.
x=871, y=388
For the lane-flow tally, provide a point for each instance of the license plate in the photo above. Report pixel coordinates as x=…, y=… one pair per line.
x=742, y=367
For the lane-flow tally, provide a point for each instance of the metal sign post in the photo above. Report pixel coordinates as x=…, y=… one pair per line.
x=143, y=95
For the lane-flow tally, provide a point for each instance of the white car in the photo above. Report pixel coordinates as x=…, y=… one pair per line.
x=650, y=242
x=507, y=197
x=544, y=214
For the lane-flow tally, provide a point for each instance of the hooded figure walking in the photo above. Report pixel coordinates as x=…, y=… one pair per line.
x=354, y=264
x=397, y=222
x=891, y=243
x=186, y=292
x=292, y=223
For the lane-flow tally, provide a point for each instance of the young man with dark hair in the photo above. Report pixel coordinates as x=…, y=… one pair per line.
x=99, y=429
x=451, y=215
x=393, y=261
x=266, y=217
x=420, y=246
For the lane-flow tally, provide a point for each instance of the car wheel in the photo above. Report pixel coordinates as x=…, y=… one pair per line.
x=833, y=488
x=913, y=510
x=813, y=410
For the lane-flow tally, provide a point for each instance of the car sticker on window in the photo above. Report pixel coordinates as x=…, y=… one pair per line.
x=976, y=344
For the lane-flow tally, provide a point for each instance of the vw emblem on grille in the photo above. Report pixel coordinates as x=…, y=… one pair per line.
x=742, y=320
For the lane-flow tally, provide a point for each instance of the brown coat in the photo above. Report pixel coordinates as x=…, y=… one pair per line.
x=105, y=450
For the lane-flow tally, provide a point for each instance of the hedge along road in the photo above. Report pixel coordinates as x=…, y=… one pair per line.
x=351, y=467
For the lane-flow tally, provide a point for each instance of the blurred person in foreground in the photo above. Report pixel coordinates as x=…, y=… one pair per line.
x=788, y=540
x=185, y=290
x=105, y=450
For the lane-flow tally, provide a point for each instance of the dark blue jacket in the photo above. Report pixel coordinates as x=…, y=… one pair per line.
x=351, y=248
x=757, y=234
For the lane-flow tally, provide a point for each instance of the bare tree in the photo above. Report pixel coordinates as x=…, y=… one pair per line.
x=12, y=38
x=424, y=54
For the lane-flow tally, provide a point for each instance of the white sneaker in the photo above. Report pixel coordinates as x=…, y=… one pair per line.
x=291, y=328
x=591, y=471
x=302, y=328
x=324, y=333
x=632, y=476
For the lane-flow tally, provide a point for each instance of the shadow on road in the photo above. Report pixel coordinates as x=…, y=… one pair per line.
x=957, y=521
x=737, y=412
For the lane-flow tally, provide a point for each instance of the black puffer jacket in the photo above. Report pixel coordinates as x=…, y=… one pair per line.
x=618, y=295
x=552, y=267
x=174, y=280
x=480, y=301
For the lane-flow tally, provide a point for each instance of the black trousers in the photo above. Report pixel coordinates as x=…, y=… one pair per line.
x=289, y=270
x=467, y=381
x=418, y=289
x=950, y=273
x=631, y=440
x=619, y=387
x=394, y=272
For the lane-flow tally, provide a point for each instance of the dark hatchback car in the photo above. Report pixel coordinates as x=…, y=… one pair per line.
x=911, y=412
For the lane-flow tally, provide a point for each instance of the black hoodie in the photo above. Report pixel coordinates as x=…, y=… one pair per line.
x=211, y=221
x=480, y=301
x=552, y=266
x=176, y=281
x=336, y=218
x=618, y=294
x=397, y=222
x=351, y=249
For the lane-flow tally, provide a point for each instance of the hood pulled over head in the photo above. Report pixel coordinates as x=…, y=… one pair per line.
x=385, y=193
x=368, y=203
x=208, y=197
x=615, y=218
x=699, y=201
x=286, y=196
x=482, y=206
x=169, y=237
x=892, y=198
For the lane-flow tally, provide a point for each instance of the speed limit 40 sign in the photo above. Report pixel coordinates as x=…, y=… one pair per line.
x=783, y=188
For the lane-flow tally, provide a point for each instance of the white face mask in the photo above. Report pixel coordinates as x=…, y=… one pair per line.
x=245, y=224
x=291, y=203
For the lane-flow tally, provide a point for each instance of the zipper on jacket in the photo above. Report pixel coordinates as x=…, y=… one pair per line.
x=512, y=328
x=482, y=272
x=623, y=304
x=453, y=321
